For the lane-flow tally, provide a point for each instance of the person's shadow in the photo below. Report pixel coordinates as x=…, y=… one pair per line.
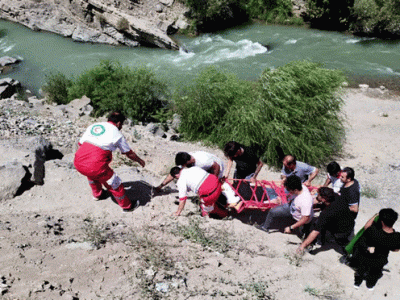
x=139, y=192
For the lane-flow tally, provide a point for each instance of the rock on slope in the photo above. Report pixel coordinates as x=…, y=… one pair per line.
x=125, y=22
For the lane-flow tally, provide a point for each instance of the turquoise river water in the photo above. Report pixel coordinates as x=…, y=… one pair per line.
x=238, y=50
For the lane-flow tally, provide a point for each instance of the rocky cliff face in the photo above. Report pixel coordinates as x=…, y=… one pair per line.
x=124, y=22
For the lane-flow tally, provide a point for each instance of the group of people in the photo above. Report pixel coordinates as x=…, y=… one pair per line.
x=204, y=174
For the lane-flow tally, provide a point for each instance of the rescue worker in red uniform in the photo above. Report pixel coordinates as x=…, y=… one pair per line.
x=94, y=155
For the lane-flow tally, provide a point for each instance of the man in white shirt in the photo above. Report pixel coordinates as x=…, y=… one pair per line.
x=94, y=155
x=207, y=161
x=207, y=186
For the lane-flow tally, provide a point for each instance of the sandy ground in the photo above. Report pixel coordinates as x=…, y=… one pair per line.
x=57, y=243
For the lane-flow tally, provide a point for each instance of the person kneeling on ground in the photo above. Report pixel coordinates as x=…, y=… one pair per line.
x=371, y=251
x=207, y=161
x=207, y=186
x=300, y=208
x=95, y=154
x=335, y=218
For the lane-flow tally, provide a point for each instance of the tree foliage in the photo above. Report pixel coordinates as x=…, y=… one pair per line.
x=135, y=92
x=56, y=87
x=273, y=11
x=376, y=18
x=212, y=15
x=326, y=14
x=295, y=107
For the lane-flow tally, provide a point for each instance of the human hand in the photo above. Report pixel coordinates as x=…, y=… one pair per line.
x=287, y=230
x=158, y=189
x=307, y=183
x=253, y=180
x=300, y=250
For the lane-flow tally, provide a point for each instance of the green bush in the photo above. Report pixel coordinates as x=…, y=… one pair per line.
x=204, y=105
x=212, y=15
x=295, y=107
x=376, y=18
x=326, y=14
x=300, y=111
x=135, y=92
x=122, y=24
x=272, y=11
x=56, y=88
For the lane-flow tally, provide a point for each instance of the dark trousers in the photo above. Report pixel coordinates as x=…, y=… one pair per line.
x=368, y=273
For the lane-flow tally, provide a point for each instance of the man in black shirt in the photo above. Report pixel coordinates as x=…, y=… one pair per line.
x=371, y=251
x=335, y=218
x=350, y=190
x=248, y=163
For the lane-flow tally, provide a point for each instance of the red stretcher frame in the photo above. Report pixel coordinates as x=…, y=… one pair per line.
x=262, y=203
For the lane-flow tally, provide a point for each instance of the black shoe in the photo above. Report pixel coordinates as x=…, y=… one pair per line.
x=344, y=260
x=261, y=228
x=133, y=207
x=357, y=281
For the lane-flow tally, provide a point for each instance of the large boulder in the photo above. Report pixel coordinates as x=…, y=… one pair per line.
x=8, y=60
x=90, y=20
x=11, y=178
x=31, y=152
x=76, y=108
x=8, y=87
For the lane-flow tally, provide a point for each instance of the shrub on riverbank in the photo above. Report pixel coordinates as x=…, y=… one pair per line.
x=272, y=11
x=363, y=17
x=138, y=93
x=56, y=88
x=376, y=18
x=331, y=15
x=213, y=15
x=295, y=107
x=204, y=106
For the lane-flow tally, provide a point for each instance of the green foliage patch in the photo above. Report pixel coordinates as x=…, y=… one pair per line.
x=56, y=87
x=328, y=14
x=138, y=93
x=212, y=15
x=376, y=18
x=295, y=107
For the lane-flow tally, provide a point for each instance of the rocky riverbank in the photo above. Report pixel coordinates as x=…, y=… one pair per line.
x=57, y=243
x=130, y=23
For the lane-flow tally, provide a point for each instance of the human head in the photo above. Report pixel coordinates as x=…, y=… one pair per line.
x=182, y=158
x=326, y=195
x=289, y=161
x=347, y=175
x=117, y=118
x=175, y=172
x=293, y=183
x=231, y=149
x=333, y=168
x=388, y=216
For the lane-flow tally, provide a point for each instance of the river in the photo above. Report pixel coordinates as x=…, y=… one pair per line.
x=239, y=50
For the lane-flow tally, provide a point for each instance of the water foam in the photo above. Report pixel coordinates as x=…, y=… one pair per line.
x=5, y=47
x=290, y=42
